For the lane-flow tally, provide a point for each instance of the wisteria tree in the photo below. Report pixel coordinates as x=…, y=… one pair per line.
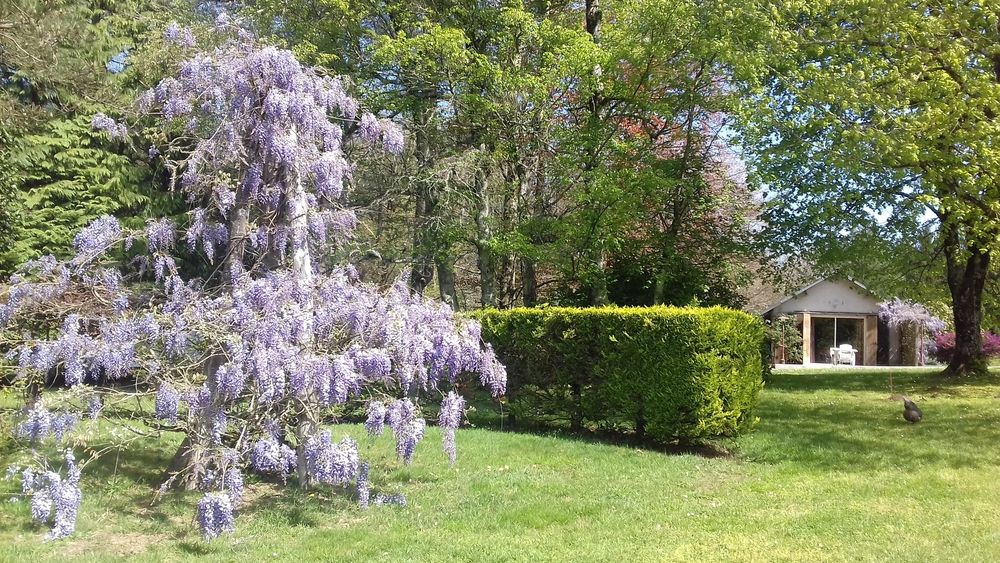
x=249, y=360
x=899, y=313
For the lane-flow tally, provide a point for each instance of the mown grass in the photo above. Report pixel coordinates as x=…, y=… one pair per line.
x=832, y=473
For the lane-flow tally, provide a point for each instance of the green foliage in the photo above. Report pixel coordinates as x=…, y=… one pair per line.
x=539, y=146
x=8, y=186
x=673, y=373
x=878, y=119
x=54, y=76
x=783, y=332
x=67, y=178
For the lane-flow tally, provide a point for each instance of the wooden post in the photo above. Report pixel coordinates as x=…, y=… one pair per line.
x=806, y=338
x=871, y=340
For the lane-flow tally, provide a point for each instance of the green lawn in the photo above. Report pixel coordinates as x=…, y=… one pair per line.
x=831, y=473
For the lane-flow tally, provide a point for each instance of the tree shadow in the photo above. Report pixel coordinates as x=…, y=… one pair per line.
x=845, y=432
x=874, y=380
x=493, y=421
x=839, y=428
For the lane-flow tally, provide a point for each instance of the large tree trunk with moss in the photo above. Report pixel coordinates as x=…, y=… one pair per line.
x=967, y=272
x=189, y=463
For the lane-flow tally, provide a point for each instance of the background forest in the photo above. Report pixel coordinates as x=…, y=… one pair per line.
x=578, y=153
x=553, y=154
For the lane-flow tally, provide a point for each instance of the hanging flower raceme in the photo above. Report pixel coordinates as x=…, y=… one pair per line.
x=449, y=418
x=898, y=312
x=215, y=515
x=54, y=498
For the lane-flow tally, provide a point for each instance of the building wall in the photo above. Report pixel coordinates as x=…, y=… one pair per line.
x=842, y=297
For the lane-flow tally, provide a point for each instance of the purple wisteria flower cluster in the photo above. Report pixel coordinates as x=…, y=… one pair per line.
x=215, y=515
x=54, y=498
x=449, y=418
x=899, y=312
x=39, y=424
x=251, y=361
x=256, y=108
x=114, y=129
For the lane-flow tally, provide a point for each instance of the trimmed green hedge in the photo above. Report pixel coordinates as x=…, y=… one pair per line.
x=668, y=373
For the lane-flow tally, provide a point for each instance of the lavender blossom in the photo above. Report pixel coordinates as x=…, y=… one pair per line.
x=229, y=380
x=333, y=464
x=115, y=130
x=167, y=400
x=374, y=364
x=375, y=423
x=449, y=418
x=271, y=456
x=97, y=236
x=37, y=425
x=369, y=129
x=63, y=423
x=41, y=507
x=27, y=480
x=232, y=482
x=55, y=499
x=406, y=427
x=178, y=35
x=94, y=407
x=392, y=138
x=160, y=235
x=66, y=497
x=215, y=515
x=492, y=374
x=898, y=312
x=172, y=33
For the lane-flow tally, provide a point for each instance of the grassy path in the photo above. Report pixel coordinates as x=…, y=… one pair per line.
x=832, y=473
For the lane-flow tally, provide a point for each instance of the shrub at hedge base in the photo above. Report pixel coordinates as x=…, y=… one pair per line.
x=667, y=373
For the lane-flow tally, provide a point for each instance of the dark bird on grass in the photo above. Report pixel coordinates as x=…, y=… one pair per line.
x=911, y=412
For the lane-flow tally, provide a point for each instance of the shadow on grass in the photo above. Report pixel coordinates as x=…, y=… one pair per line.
x=195, y=548
x=835, y=420
x=849, y=423
x=873, y=380
x=490, y=418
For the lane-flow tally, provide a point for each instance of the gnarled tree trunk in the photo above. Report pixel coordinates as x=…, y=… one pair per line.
x=967, y=272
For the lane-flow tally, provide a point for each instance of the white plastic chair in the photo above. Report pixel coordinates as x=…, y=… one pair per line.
x=845, y=354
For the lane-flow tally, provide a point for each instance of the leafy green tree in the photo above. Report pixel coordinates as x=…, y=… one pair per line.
x=544, y=137
x=879, y=119
x=60, y=64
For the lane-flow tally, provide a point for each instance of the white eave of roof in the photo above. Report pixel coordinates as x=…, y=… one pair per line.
x=807, y=288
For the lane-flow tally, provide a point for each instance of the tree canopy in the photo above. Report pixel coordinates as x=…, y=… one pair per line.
x=877, y=121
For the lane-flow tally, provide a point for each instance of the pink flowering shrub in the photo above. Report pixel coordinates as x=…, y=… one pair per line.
x=944, y=346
